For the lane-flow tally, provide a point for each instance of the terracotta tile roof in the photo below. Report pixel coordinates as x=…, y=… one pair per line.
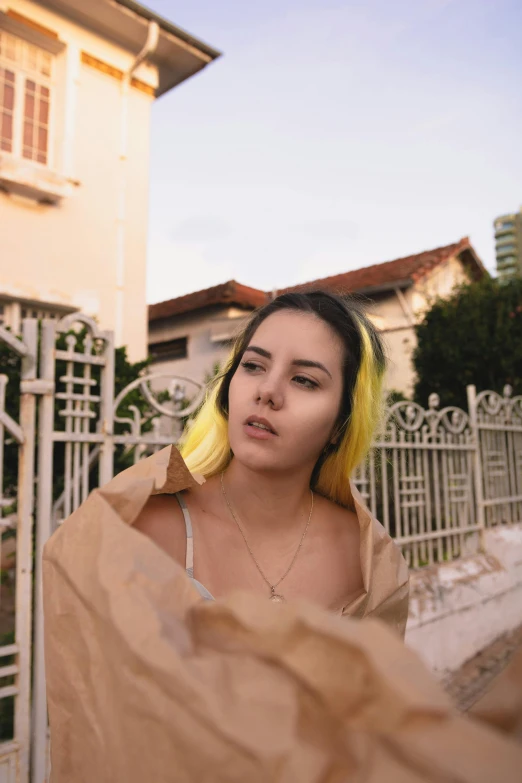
x=402, y=270
x=405, y=271
x=230, y=293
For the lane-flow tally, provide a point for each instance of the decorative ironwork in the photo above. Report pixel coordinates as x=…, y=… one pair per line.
x=97, y=429
x=499, y=438
x=168, y=403
x=418, y=480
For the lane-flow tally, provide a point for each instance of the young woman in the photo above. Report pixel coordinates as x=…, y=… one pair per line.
x=277, y=440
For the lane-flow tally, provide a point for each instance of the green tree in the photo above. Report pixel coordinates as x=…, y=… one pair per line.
x=474, y=337
x=10, y=364
x=212, y=374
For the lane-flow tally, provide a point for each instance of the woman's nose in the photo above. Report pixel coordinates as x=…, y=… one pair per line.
x=269, y=392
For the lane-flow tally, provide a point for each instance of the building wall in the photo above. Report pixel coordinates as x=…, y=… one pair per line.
x=396, y=327
x=89, y=251
x=438, y=283
x=400, y=344
x=508, y=244
x=202, y=351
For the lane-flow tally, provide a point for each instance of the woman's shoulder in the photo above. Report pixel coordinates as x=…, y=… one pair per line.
x=335, y=509
x=162, y=520
x=341, y=519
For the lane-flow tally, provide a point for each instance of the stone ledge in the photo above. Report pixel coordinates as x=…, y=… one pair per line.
x=458, y=608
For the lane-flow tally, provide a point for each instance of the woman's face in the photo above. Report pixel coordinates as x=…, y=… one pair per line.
x=285, y=396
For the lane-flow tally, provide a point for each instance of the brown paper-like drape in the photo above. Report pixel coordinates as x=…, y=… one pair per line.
x=147, y=683
x=501, y=706
x=385, y=574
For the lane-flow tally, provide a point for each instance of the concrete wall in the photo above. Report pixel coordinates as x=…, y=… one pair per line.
x=89, y=251
x=396, y=326
x=457, y=609
x=202, y=351
x=440, y=282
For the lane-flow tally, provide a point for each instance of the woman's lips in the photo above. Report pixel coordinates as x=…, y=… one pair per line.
x=258, y=433
x=262, y=422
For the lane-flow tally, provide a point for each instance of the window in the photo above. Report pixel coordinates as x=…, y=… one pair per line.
x=507, y=261
x=168, y=350
x=25, y=98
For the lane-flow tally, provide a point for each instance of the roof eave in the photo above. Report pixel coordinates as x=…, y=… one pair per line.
x=480, y=269
x=166, y=57
x=200, y=308
x=380, y=288
x=168, y=27
x=384, y=288
x=178, y=55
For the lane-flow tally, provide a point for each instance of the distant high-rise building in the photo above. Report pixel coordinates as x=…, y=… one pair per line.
x=508, y=244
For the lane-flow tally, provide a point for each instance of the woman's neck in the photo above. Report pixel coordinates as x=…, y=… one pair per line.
x=268, y=500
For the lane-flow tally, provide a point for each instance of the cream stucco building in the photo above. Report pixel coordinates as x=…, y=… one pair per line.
x=77, y=81
x=189, y=334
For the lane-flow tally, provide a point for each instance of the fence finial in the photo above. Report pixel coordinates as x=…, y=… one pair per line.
x=433, y=400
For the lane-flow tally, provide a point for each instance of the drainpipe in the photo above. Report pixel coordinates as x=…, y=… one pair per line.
x=405, y=307
x=150, y=46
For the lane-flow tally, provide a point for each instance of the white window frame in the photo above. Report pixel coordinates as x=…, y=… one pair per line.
x=23, y=73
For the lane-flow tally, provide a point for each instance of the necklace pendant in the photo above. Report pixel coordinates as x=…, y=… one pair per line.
x=276, y=598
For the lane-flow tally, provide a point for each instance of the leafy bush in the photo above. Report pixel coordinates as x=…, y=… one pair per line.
x=474, y=337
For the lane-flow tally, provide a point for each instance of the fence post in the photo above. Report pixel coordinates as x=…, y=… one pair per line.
x=479, y=493
x=106, y=464
x=24, y=549
x=43, y=531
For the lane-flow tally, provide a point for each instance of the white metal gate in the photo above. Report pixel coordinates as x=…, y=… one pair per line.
x=70, y=427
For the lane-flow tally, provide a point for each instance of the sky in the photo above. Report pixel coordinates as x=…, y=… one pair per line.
x=333, y=134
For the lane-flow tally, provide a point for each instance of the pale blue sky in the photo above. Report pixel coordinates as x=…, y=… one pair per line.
x=332, y=135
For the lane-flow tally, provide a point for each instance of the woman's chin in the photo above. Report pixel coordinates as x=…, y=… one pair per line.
x=255, y=458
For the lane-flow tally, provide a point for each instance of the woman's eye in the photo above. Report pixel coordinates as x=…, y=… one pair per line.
x=250, y=366
x=306, y=382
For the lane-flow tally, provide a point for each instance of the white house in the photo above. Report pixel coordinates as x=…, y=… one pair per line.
x=77, y=82
x=189, y=334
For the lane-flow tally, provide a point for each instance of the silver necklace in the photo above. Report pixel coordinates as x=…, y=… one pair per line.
x=277, y=597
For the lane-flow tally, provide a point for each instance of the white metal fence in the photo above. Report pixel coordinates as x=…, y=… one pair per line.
x=419, y=481
x=435, y=478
